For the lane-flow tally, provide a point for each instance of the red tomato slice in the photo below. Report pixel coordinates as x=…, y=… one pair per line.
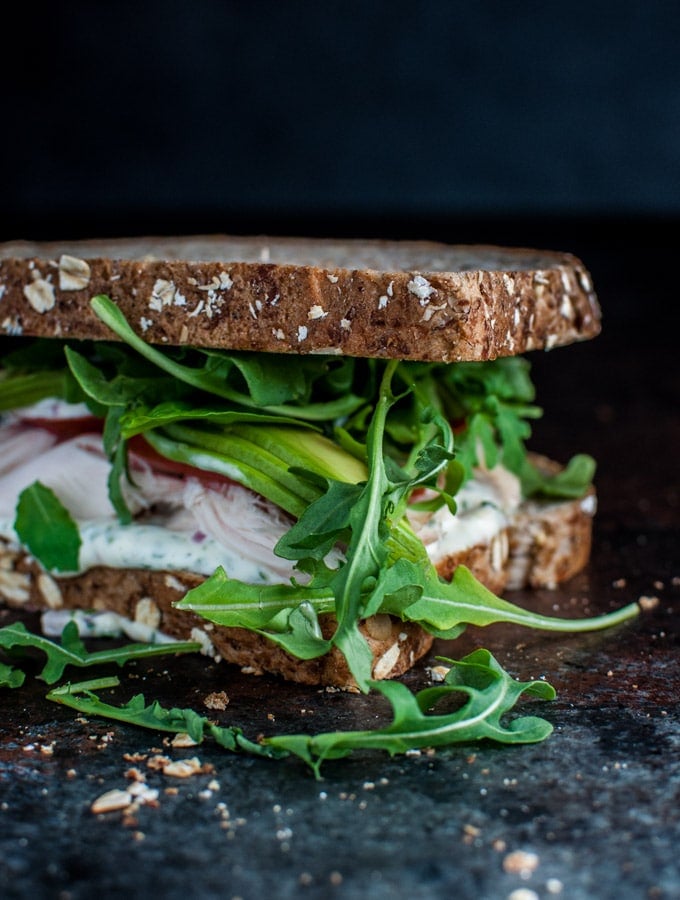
x=140, y=448
x=67, y=428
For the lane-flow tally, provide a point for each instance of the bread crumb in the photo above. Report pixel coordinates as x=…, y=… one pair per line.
x=111, y=801
x=523, y=894
x=438, y=673
x=647, y=603
x=216, y=700
x=185, y=768
x=521, y=862
x=183, y=740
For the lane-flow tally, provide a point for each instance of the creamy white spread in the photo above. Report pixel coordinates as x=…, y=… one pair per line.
x=485, y=505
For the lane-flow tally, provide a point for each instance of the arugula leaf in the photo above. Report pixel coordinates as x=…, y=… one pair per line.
x=268, y=382
x=286, y=614
x=440, y=606
x=325, y=522
x=405, y=589
x=82, y=697
x=10, y=676
x=490, y=694
x=45, y=526
x=490, y=691
x=72, y=652
x=571, y=482
x=24, y=389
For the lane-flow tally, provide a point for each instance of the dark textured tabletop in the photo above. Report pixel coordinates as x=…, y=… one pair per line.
x=593, y=812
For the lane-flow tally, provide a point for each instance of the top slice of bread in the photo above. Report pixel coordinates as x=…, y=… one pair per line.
x=390, y=299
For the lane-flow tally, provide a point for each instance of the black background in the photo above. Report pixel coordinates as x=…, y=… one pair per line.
x=467, y=121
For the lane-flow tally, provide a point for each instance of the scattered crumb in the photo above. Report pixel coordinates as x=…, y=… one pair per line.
x=111, y=801
x=216, y=700
x=183, y=740
x=647, y=603
x=134, y=757
x=523, y=894
x=185, y=768
x=470, y=832
x=143, y=793
x=521, y=862
x=620, y=583
x=335, y=878
x=438, y=673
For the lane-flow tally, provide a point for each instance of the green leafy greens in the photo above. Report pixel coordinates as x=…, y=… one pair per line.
x=489, y=691
x=45, y=526
x=343, y=446
x=71, y=651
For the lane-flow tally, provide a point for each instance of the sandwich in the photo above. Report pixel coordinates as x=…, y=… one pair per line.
x=307, y=455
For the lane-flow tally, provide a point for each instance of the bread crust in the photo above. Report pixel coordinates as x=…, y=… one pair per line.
x=402, y=299
x=549, y=541
x=147, y=597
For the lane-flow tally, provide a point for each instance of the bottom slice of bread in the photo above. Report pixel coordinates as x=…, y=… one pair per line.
x=544, y=545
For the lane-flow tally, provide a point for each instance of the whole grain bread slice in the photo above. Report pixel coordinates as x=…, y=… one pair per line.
x=390, y=299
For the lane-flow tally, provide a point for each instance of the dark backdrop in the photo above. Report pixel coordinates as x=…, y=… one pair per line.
x=388, y=117
x=532, y=123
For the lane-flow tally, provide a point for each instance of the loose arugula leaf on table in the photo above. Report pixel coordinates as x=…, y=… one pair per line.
x=45, y=526
x=490, y=693
x=10, y=676
x=71, y=651
x=82, y=697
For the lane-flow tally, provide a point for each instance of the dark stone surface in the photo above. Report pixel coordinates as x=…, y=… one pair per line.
x=598, y=802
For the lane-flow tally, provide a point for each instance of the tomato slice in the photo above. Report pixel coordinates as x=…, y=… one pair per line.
x=142, y=449
x=66, y=428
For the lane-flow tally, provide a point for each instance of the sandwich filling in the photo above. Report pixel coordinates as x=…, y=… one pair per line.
x=297, y=485
x=191, y=521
